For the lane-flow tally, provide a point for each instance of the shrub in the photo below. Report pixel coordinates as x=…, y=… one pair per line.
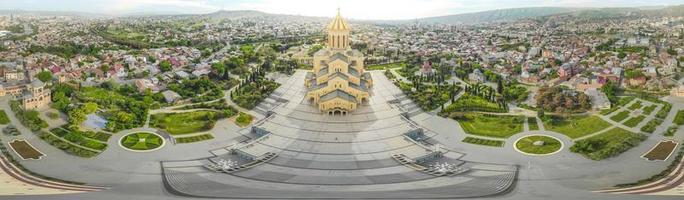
x=243, y=119
x=607, y=144
x=484, y=142
x=679, y=118
x=651, y=125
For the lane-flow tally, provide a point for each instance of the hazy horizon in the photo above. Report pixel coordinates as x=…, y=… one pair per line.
x=354, y=9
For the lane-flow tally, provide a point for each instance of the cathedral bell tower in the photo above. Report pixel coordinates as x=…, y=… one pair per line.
x=338, y=33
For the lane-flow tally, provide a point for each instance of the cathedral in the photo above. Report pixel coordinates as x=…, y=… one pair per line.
x=338, y=83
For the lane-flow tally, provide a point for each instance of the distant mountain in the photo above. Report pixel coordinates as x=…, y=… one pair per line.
x=237, y=14
x=498, y=15
x=49, y=13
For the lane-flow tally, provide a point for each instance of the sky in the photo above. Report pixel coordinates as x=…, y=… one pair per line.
x=354, y=9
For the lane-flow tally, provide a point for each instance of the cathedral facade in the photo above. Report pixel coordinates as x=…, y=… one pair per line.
x=339, y=82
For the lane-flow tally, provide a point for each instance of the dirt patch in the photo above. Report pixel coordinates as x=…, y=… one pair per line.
x=661, y=151
x=25, y=150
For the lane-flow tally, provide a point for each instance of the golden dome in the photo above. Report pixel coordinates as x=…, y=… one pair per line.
x=338, y=24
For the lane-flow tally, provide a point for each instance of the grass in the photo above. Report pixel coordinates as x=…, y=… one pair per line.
x=608, y=144
x=483, y=142
x=3, y=117
x=142, y=141
x=620, y=116
x=679, y=118
x=196, y=138
x=651, y=126
x=625, y=100
x=526, y=144
x=608, y=111
x=671, y=131
x=243, y=119
x=635, y=105
x=532, y=123
x=576, y=126
x=185, y=123
x=649, y=109
x=500, y=126
x=634, y=121
x=386, y=66
x=663, y=112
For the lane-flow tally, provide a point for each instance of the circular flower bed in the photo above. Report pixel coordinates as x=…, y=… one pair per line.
x=538, y=145
x=142, y=141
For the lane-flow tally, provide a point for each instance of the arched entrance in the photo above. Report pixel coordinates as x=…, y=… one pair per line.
x=337, y=112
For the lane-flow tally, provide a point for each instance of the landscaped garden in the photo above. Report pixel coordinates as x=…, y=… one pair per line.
x=429, y=97
x=663, y=112
x=623, y=101
x=651, y=125
x=620, y=116
x=186, y=122
x=3, y=117
x=575, y=126
x=253, y=90
x=243, y=119
x=65, y=145
x=477, y=98
x=199, y=90
x=29, y=118
x=196, y=138
x=142, y=141
x=500, y=126
x=608, y=144
x=483, y=142
x=122, y=106
x=634, y=121
x=635, y=105
x=89, y=139
x=679, y=118
x=386, y=66
x=538, y=144
x=649, y=109
x=532, y=124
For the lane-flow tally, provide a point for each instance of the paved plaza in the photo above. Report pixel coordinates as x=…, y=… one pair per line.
x=295, y=151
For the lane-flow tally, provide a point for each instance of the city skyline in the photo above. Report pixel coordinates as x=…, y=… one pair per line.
x=405, y=9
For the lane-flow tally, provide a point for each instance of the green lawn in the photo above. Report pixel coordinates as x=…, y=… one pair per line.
x=651, y=126
x=625, y=100
x=679, y=118
x=3, y=117
x=575, y=126
x=196, y=138
x=608, y=111
x=634, y=121
x=532, y=123
x=635, y=105
x=500, y=126
x=607, y=144
x=386, y=66
x=483, y=142
x=620, y=116
x=184, y=123
x=649, y=109
x=142, y=141
x=526, y=145
x=243, y=119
